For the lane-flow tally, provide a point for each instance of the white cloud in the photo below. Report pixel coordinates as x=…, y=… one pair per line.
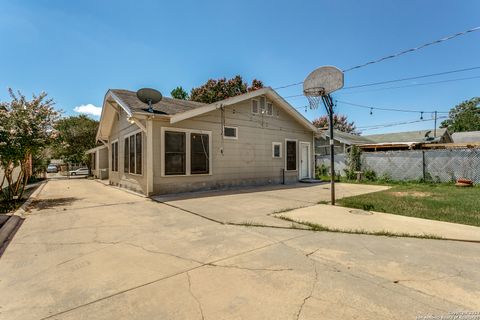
x=89, y=109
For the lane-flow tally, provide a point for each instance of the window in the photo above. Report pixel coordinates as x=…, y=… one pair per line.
x=138, y=153
x=276, y=150
x=175, y=153
x=114, y=156
x=126, y=156
x=269, y=109
x=93, y=159
x=262, y=105
x=291, y=154
x=254, y=106
x=230, y=132
x=199, y=156
x=133, y=153
x=186, y=152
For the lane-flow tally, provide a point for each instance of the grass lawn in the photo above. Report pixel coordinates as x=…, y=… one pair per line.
x=430, y=201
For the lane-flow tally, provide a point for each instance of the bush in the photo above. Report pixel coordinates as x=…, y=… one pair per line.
x=370, y=175
x=321, y=170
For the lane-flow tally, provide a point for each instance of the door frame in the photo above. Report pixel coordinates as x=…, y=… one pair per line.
x=309, y=163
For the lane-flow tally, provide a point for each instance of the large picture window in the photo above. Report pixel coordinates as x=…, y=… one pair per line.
x=199, y=153
x=291, y=154
x=133, y=153
x=114, y=156
x=186, y=152
x=175, y=153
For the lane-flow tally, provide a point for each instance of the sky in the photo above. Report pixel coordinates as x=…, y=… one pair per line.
x=77, y=50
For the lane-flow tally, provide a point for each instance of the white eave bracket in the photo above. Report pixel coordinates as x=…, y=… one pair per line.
x=138, y=123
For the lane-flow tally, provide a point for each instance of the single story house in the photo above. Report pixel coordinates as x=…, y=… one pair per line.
x=406, y=140
x=466, y=137
x=252, y=139
x=342, y=142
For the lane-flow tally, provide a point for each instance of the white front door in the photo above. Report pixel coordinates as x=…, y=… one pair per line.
x=304, y=160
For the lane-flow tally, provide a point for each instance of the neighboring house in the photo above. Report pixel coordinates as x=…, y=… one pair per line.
x=466, y=137
x=342, y=142
x=406, y=140
x=252, y=139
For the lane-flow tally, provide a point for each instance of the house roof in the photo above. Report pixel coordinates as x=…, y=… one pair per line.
x=463, y=137
x=168, y=106
x=176, y=110
x=346, y=138
x=408, y=136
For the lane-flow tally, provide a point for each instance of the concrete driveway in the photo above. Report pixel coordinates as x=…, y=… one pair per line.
x=255, y=205
x=89, y=251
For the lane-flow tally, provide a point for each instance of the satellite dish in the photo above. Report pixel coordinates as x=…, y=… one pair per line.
x=149, y=96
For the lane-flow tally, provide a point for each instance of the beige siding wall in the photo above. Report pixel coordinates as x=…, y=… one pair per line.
x=101, y=162
x=120, y=130
x=245, y=161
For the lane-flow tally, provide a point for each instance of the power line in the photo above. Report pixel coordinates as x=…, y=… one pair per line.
x=414, y=85
x=398, y=124
x=396, y=54
x=409, y=78
x=413, y=49
x=384, y=109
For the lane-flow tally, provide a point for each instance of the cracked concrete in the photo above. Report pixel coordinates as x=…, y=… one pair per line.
x=115, y=255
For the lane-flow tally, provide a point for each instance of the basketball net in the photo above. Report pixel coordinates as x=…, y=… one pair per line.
x=314, y=97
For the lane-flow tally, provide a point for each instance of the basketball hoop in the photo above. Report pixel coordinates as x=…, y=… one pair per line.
x=317, y=87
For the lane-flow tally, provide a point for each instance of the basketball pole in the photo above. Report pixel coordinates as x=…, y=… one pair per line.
x=327, y=101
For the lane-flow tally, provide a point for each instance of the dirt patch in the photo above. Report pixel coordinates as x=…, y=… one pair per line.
x=417, y=194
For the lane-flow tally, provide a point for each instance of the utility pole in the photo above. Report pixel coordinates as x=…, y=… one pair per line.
x=435, y=128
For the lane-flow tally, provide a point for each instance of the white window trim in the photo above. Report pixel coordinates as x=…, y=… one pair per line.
x=258, y=106
x=296, y=154
x=273, y=149
x=111, y=154
x=188, y=151
x=230, y=138
x=128, y=135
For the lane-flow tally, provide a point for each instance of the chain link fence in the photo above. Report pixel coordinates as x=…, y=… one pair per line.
x=441, y=165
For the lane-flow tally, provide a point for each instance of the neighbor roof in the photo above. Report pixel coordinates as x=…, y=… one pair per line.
x=463, y=137
x=346, y=138
x=408, y=136
x=166, y=106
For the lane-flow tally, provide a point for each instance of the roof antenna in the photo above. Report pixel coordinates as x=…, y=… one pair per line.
x=149, y=96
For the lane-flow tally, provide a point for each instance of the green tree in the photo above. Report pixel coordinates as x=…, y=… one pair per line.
x=340, y=122
x=26, y=128
x=216, y=90
x=179, y=93
x=464, y=116
x=75, y=135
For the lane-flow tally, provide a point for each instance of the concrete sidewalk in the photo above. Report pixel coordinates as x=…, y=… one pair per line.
x=348, y=219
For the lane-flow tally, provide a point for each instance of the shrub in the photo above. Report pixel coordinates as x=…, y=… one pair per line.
x=370, y=175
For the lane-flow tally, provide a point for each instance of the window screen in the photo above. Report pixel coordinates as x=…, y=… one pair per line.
x=230, y=132
x=254, y=106
x=115, y=156
x=175, y=147
x=276, y=150
x=269, y=109
x=126, y=153
x=138, y=153
x=132, y=154
x=199, y=153
x=291, y=155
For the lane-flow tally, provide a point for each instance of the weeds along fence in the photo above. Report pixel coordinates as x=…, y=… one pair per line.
x=440, y=165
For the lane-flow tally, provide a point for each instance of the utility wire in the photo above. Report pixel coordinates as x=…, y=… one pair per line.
x=397, y=124
x=396, y=54
x=409, y=78
x=385, y=109
x=414, y=85
x=413, y=49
